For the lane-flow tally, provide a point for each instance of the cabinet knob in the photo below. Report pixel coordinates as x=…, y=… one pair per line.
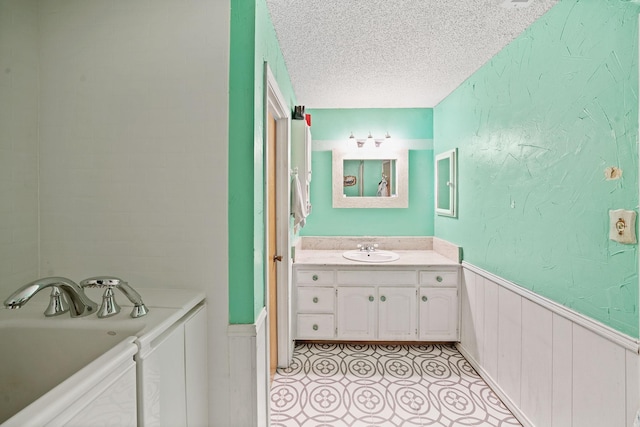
x=371, y=298
x=439, y=278
x=315, y=300
x=424, y=298
x=315, y=277
x=315, y=327
x=383, y=298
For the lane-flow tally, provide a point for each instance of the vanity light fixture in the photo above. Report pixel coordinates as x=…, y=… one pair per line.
x=369, y=138
x=387, y=138
x=359, y=142
x=377, y=141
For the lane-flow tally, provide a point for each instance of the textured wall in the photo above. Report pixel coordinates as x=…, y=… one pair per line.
x=253, y=41
x=535, y=129
x=329, y=126
x=18, y=144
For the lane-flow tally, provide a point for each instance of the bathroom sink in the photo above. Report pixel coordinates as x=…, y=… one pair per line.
x=373, y=256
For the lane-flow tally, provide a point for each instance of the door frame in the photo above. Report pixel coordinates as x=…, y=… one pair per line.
x=275, y=103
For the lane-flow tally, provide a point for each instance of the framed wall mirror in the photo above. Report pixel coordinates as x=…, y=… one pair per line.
x=370, y=178
x=446, y=185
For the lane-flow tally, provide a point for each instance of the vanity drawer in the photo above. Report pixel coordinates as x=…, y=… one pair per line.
x=439, y=278
x=369, y=277
x=314, y=277
x=315, y=299
x=315, y=326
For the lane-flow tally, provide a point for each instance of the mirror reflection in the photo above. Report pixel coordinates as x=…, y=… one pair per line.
x=370, y=178
x=376, y=178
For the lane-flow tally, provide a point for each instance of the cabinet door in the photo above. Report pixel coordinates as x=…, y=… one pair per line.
x=356, y=314
x=438, y=314
x=397, y=314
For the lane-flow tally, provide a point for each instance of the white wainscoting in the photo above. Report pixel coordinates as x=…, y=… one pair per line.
x=249, y=373
x=550, y=365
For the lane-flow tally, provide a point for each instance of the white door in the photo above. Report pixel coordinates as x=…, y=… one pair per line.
x=397, y=314
x=438, y=314
x=356, y=314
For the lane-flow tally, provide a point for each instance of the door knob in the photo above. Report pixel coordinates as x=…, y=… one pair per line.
x=277, y=258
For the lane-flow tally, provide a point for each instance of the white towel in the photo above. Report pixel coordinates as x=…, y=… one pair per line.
x=383, y=189
x=298, y=206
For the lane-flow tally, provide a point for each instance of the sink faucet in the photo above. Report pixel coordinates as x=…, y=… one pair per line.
x=367, y=247
x=80, y=305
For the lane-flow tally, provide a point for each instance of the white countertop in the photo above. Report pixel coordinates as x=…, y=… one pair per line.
x=334, y=257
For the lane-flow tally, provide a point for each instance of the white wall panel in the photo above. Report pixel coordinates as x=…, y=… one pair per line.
x=479, y=316
x=536, y=382
x=599, y=384
x=490, y=347
x=561, y=396
x=133, y=151
x=633, y=385
x=552, y=366
x=509, y=343
x=468, y=330
x=18, y=144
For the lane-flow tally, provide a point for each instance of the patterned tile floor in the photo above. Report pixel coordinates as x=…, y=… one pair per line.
x=370, y=385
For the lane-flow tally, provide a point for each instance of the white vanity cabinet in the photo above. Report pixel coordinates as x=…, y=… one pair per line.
x=315, y=304
x=438, y=314
x=383, y=304
x=397, y=308
x=172, y=374
x=438, y=305
x=357, y=313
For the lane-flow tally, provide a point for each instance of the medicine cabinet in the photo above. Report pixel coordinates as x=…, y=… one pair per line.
x=446, y=185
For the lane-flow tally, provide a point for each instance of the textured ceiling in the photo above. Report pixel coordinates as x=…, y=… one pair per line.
x=392, y=53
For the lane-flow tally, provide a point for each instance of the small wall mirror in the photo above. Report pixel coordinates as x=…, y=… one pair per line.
x=375, y=178
x=445, y=191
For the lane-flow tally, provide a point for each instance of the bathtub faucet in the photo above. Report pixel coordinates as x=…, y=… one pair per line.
x=109, y=306
x=80, y=304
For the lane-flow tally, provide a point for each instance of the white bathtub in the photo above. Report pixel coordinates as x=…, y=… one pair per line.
x=50, y=366
x=35, y=359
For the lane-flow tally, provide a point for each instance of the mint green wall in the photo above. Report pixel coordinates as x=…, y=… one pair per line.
x=402, y=124
x=253, y=41
x=535, y=129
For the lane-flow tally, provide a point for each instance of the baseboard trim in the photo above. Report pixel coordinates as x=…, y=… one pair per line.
x=596, y=327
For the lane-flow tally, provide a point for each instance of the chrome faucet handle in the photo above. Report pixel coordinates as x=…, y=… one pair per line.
x=58, y=303
x=109, y=282
x=109, y=305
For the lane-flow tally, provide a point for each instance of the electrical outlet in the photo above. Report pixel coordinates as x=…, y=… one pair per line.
x=622, y=226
